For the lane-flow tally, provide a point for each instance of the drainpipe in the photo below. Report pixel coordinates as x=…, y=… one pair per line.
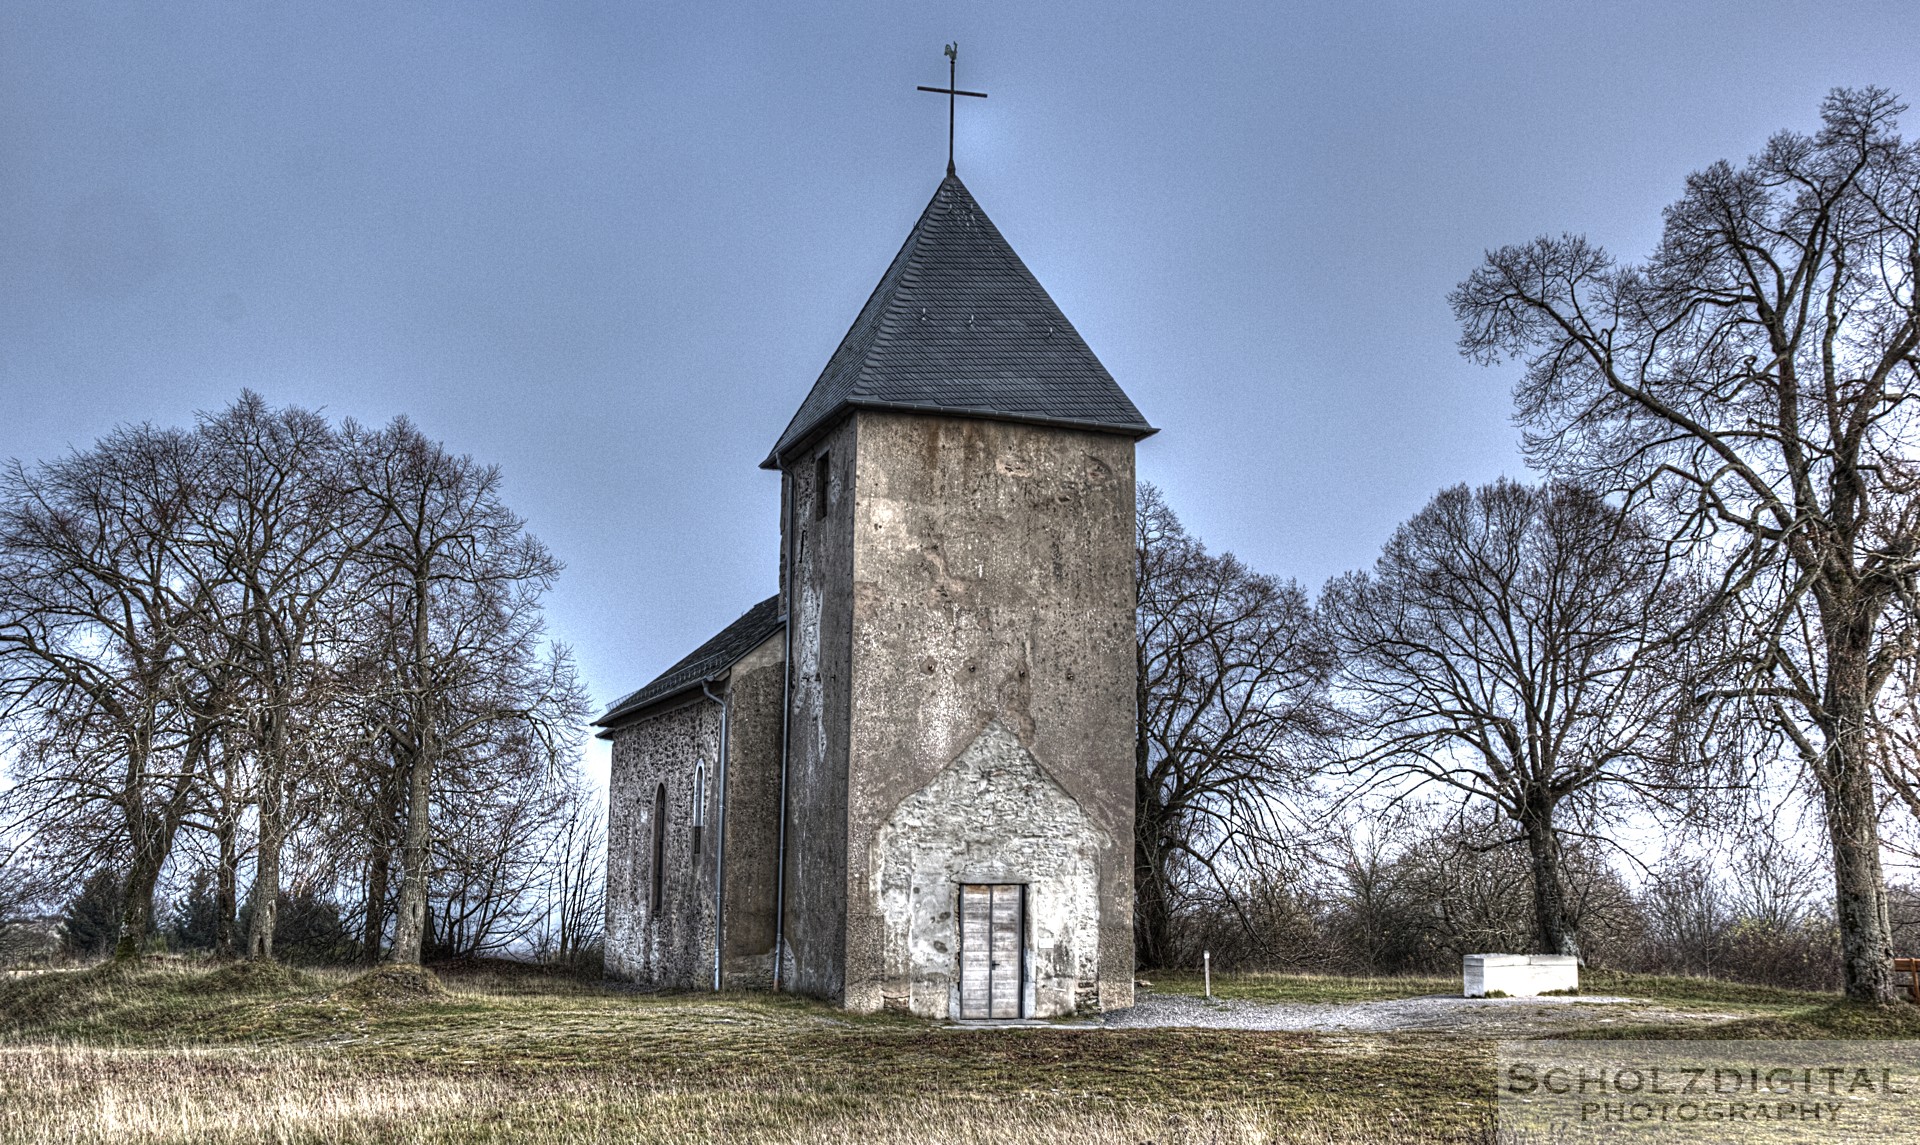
x=720, y=830
x=786, y=720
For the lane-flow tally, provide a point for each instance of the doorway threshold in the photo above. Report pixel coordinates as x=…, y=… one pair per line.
x=1019, y=1024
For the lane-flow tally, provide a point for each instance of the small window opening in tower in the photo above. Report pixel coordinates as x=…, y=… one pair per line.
x=822, y=474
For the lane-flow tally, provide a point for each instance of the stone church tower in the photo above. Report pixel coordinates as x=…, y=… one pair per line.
x=934, y=813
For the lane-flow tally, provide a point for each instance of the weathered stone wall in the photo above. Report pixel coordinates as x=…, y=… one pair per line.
x=754, y=690
x=993, y=816
x=675, y=946
x=820, y=584
x=992, y=580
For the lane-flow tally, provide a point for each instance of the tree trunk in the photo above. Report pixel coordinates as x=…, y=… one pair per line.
x=373, y=928
x=1554, y=930
x=1153, y=916
x=136, y=907
x=136, y=902
x=275, y=771
x=410, y=913
x=1860, y=889
x=1152, y=898
x=378, y=864
x=152, y=833
x=266, y=877
x=1852, y=809
x=226, y=895
x=266, y=867
x=1149, y=925
x=410, y=916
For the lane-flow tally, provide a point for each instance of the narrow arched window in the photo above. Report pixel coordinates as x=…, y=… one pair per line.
x=699, y=802
x=659, y=849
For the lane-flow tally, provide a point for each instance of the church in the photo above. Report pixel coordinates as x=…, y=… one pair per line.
x=905, y=780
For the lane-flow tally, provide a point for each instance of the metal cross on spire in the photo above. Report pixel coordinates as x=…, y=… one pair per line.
x=952, y=89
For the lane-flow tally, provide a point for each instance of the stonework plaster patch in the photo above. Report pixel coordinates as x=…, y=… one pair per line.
x=993, y=815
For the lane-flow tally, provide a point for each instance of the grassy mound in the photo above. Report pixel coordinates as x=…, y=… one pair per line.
x=392, y=984
x=31, y=1001
x=255, y=978
x=152, y=995
x=1848, y=1020
x=1696, y=991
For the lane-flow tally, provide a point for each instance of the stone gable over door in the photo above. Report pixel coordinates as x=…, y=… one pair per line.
x=993, y=815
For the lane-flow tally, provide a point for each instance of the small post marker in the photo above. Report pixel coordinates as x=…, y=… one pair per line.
x=1206, y=970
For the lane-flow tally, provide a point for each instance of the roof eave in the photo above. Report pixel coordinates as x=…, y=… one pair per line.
x=619, y=718
x=778, y=458
x=714, y=660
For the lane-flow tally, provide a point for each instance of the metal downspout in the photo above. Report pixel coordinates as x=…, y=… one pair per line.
x=720, y=830
x=786, y=719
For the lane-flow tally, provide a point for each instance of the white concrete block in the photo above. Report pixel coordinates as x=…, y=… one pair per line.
x=1519, y=975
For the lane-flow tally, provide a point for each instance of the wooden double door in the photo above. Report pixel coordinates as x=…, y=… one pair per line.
x=993, y=949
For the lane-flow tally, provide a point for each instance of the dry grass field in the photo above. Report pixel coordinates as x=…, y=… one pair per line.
x=171, y=1052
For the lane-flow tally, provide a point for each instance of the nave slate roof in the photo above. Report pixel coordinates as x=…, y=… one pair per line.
x=703, y=663
x=959, y=325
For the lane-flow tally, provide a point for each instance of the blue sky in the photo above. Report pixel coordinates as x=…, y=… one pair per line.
x=609, y=247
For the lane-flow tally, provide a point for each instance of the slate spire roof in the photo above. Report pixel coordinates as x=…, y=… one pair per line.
x=959, y=325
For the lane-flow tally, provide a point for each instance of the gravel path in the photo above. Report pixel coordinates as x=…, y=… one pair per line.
x=1438, y=1012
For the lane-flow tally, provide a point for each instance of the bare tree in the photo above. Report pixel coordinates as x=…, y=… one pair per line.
x=492, y=861
x=1518, y=645
x=1757, y=372
x=111, y=710
x=286, y=525
x=1739, y=900
x=458, y=637
x=361, y=819
x=1230, y=678
x=1686, y=912
x=575, y=889
x=229, y=792
x=1418, y=884
x=1457, y=887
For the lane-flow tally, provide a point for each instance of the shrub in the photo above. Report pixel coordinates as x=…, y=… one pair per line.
x=196, y=918
x=91, y=923
x=306, y=930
